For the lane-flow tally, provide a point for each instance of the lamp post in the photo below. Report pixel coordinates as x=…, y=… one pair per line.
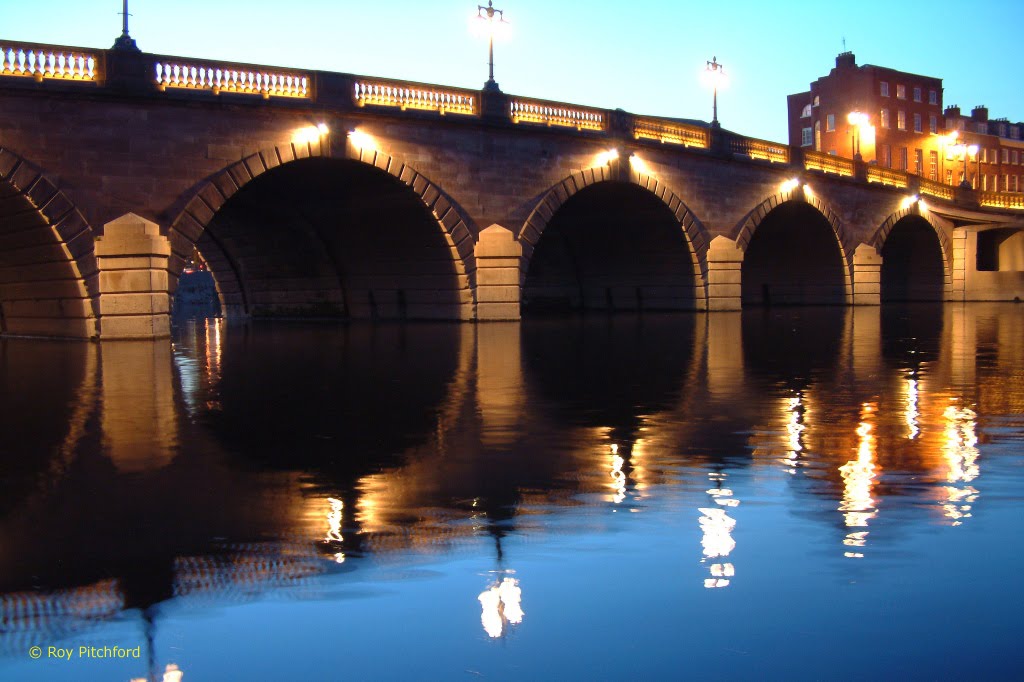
x=714, y=73
x=857, y=119
x=487, y=14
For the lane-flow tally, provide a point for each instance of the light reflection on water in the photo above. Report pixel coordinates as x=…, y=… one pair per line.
x=309, y=485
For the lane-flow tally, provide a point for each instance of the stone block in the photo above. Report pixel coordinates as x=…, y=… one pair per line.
x=493, y=294
x=497, y=311
x=134, y=304
x=133, y=281
x=135, y=327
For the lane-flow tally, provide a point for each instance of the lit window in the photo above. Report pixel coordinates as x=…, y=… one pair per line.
x=917, y=123
x=806, y=137
x=901, y=161
x=901, y=119
x=933, y=97
x=806, y=113
x=830, y=123
x=933, y=124
x=919, y=161
x=886, y=156
x=883, y=88
x=901, y=91
x=817, y=100
x=884, y=118
x=917, y=94
x=933, y=165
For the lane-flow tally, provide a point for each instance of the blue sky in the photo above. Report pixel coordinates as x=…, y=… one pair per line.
x=644, y=56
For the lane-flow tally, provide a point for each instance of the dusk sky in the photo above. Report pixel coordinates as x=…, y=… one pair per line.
x=643, y=56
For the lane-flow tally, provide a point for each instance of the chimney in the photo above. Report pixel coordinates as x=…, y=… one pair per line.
x=846, y=59
x=952, y=111
x=979, y=113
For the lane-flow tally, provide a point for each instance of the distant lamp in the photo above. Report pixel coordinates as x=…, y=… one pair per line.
x=361, y=140
x=714, y=77
x=487, y=14
x=857, y=119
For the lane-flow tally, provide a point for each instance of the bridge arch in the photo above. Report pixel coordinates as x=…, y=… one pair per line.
x=623, y=189
x=241, y=296
x=917, y=256
x=49, y=284
x=796, y=252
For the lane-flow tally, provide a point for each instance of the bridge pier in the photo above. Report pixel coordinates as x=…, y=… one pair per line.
x=725, y=261
x=134, y=300
x=867, y=276
x=498, y=281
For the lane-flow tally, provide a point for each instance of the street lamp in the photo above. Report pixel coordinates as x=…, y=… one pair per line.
x=714, y=74
x=487, y=14
x=857, y=119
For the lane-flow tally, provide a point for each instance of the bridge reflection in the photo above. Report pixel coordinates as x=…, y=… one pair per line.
x=253, y=463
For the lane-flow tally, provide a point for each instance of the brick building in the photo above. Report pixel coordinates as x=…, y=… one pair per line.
x=998, y=164
x=901, y=116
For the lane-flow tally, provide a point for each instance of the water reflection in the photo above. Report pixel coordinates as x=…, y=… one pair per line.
x=252, y=461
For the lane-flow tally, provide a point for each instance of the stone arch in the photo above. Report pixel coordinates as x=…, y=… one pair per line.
x=880, y=236
x=692, y=229
x=49, y=282
x=802, y=194
x=189, y=229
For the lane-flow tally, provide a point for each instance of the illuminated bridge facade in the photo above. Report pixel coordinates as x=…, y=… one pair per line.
x=312, y=194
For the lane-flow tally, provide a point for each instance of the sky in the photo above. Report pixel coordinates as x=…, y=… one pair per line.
x=644, y=56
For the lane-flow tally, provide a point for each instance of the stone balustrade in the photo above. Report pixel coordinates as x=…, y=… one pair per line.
x=760, y=149
x=671, y=133
x=888, y=176
x=47, y=62
x=219, y=78
x=827, y=163
x=555, y=114
x=414, y=96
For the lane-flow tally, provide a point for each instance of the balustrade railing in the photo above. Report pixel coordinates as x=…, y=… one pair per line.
x=888, y=176
x=1000, y=200
x=554, y=114
x=671, y=133
x=760, y=149
x=828, y=163
x=219, y=78
x=47, y=62
x=935, y=189
x=417, y=97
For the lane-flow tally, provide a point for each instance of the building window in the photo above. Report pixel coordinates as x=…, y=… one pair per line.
x=1013, y=157
x=901, y=91
x=1014, y=133
x=919, y=161
x=983, y=129
x=830, y=123
x=949, y=177
x=817, y=100
x=885, y=156
x=817, y=136
x=806, y=137
x=1006, y=155
x=917, y=94
x=933, y=166
x=917, y=123
x=984, y=183
x=806, y=113
x=901, y=160
x=883, y=88
x=1002, y=130
x=1013, y=179
x=1006, y=183
x=884, y=118
x=933, y=124
x=901, y=120
x=933, y=97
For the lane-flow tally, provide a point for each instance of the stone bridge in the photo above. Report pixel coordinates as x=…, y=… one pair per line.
x=313, y=194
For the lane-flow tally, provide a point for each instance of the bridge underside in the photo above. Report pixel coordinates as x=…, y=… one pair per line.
x=912, y=263
x=611, y=246
x=333, y=238
x=42, y=290
x=793, y=258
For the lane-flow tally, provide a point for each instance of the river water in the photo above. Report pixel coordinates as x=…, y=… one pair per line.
x=778, y=494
